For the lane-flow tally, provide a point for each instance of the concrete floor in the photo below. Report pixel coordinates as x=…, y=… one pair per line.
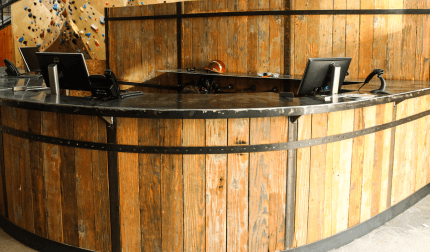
x=408, y=232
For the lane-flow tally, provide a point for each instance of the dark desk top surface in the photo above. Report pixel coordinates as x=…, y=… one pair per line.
x=233, y=105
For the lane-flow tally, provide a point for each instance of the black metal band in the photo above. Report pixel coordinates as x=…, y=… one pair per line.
x=209, y=150
x=281, y=13
x=114, y=196
x=35, y=241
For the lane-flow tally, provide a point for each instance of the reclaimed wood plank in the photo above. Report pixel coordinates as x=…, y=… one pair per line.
x=237, y=184
x=193, y=134
x=51, y=168
x=394, y=40
x=278, y=185
x=259, y=172
x=382, y=159
x=421, y=148
x=36, y=166
x=216, y=187
x=69, y=201
x=127, y=133
x=368, y=162
x=25, y=172
x=344, y=175
x=356, y=171
x=84, y=184
x=150, y=186
x=409, y=44
x=317, y=180
x=303, y=179
x=172, y=188
x=12, y=187
x=100, y=186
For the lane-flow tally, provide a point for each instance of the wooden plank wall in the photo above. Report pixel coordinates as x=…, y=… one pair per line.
x=6, y=42
x=58, y=192
x=245, y=44
x=342, y=184
x=223, y=202
x=137, y=49
x=397, y=43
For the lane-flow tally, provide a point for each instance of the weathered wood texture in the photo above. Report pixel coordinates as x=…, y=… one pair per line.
x=6, y=42
x=137, y=49
x=60, y=193
x=245, y=44
x=397, y=43
x=344, y=183
x=207, y=202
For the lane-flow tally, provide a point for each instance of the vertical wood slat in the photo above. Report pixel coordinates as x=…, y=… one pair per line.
x=129, y=186
x=302, y=182
x=3, y=189
x=25, y=172
x=51, y=166
x=356, y=171
x=69, y=202
x=317, y=180
x=171, y=188
x=259, y=186
x=84, y=181
x=100, y=188
x=278, y=185
x=238, y=186
x=216, y=187
x=36, y=166
x=194, y=132
x=7, y=120
x=150, y=185
x=368, y=162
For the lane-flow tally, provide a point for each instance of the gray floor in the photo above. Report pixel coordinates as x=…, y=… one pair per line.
x=408, y=232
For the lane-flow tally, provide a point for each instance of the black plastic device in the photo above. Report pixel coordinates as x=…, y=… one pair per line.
x=318, y=75
x=30, y=60
x=105, y=86
x=11, y=70
x=379, y=73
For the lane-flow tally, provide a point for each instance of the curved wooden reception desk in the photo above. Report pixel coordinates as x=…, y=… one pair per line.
x=236, y=172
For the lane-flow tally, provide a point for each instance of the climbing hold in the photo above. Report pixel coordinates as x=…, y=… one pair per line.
x=21, y=39
x=102, y=20
x=94, y=28
x=55, y=7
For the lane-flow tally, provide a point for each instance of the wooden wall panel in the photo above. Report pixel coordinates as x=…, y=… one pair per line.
x=6, y=42
x=62, y=195
x=150, y=185
x=396, y=43
x=238, y=187
x=129, y=186
x=216, y=187
x=194, y=166
x=302, y=182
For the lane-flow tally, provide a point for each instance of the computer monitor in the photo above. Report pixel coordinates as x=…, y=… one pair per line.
x=318, y=75
x=72, y=69
x=29, y=57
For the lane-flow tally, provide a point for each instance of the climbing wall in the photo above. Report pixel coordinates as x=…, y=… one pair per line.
x=64, y=25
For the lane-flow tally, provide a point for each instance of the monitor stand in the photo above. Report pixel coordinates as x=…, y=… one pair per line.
x=333, y=85
x=54, y=79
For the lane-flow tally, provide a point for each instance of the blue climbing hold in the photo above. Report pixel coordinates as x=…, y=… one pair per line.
x=25, y=8
x=88, y=34
x=21, y=39
x=55, y=7
x=85, y=6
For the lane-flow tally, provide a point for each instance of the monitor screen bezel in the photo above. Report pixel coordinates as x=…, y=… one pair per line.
x=82, y=74
x=309, y=82
x=25, y=59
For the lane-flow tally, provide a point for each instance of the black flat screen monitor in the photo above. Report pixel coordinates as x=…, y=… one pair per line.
x=317, y=74
x=29, y=57
x=72, y=69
